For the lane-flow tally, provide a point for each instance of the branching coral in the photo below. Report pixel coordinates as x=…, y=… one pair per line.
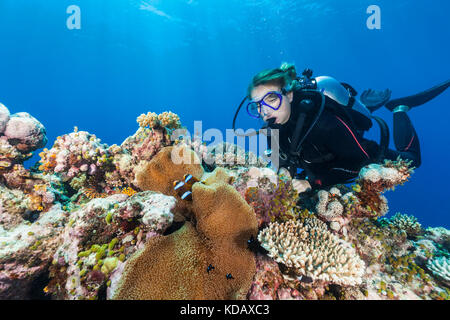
x=440, y=267
x=312, y=251
x=119, y=241
x=229, y=155
x=404, y=222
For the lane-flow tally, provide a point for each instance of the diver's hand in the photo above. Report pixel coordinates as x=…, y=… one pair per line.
x=284, y=172
x=301, y=185
x=375, y=98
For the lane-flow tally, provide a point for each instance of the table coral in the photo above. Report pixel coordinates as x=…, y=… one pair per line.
x=312, y=251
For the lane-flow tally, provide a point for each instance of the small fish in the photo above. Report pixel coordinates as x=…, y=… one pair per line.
x=187, y=196
x=178, y=185
x=254, y=246
x=210, y=267
x=305, y=279
x=189, y=180
x=229, y=276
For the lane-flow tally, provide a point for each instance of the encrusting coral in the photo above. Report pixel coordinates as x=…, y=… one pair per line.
x=101, y=236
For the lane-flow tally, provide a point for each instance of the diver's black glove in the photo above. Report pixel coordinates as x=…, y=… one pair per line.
x=374, y=99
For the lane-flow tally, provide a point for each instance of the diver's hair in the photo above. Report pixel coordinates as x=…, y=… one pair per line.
x=285, y=77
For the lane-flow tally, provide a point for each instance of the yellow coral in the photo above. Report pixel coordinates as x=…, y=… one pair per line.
x=169, y=119
x=40, y=187
x=166, y=119
x=148, y=120
x=128, y=191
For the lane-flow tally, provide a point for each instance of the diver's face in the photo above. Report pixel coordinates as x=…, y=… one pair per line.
x=283, y=113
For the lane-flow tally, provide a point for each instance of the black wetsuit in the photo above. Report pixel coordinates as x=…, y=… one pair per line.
x=335, y=151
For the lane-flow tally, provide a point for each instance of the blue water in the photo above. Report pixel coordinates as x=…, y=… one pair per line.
x=196, y=58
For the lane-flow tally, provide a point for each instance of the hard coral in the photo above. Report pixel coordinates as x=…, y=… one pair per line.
x=166, y=119
x=272, y=197
x=404, y=222
x=310, y=250
x=229, y=155
x=26, y=251
x=440, y=267
x=101, y=236
x=20, y=134
x=373, y=180
x=76, y=154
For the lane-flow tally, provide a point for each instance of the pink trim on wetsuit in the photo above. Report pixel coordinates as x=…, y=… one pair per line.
x=410, y=143
x=353, y=137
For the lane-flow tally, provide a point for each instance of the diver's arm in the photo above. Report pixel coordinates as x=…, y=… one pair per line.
x=299, y=185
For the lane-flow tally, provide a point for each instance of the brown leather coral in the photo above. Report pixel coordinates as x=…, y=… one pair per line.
x=176, y=266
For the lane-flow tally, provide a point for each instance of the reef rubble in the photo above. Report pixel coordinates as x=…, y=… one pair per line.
x=92, y=221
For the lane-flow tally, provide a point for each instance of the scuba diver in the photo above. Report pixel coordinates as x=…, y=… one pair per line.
x=322, y=123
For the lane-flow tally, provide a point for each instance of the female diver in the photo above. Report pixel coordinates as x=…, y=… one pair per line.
x=321, y=125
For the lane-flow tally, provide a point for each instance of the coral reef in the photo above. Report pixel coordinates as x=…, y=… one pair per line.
x=102, y=235
x=163, y=218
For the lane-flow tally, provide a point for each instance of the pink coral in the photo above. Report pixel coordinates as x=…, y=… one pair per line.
x=271, y=196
